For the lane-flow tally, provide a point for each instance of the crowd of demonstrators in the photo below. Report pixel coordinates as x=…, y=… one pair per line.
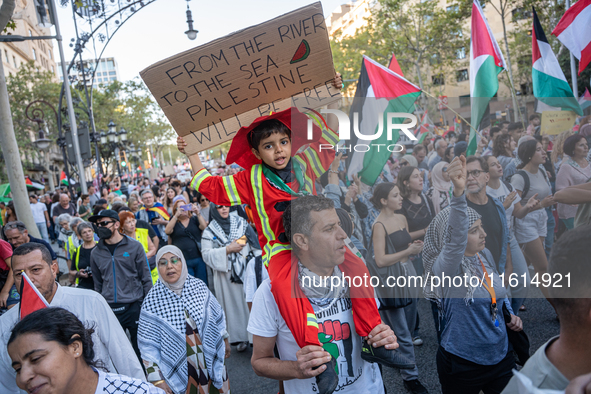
x=189, y=278
x=227, y=244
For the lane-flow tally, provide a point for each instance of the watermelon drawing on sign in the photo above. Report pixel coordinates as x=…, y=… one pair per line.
x=301, y=53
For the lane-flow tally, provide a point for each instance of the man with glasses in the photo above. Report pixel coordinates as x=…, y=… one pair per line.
x=120, y=271
x=154, y=213
x=494, y=218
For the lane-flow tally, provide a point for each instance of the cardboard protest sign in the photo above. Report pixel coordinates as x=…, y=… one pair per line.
x=209, y=92
x=555, y=122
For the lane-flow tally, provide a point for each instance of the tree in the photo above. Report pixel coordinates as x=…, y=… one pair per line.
x=28, y=85
x=421, y=34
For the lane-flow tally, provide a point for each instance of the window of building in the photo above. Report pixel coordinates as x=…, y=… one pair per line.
x=30, y=33
x=6, y=54
x=112, y=73
x=34, y=54
x=14, y=61
x=438, y=80
x=462, y=75
x=110, y=64
x=461, y=53
x=465, y=101
x=53, y=69
x=113, y=79
x=100, y=80
x=50, y=55
x=453, y=8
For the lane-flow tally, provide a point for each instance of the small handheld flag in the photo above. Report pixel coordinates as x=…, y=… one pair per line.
x=31, y=299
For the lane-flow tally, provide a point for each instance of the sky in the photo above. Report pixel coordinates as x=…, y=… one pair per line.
x=156, y=32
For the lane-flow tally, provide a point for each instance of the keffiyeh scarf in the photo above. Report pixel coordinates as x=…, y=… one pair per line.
x=237, y=229
x=161, y=334
x=438, y=234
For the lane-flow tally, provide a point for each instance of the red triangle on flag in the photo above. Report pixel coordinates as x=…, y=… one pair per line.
x=394, y=66
x=31, y=299
x=385, y=82
x=28, y=181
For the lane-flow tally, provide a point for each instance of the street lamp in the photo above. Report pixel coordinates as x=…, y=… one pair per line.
x=191, y=33
x=122, y=135
x=103, y=137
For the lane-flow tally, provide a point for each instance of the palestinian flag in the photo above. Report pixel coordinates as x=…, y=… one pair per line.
x=550, y=85
x=31, y=299
x=574, y=31
x=394, y=66
x=379, y=91
x=159, y=209
x=64, y=179
x=486, y=62
x=422, y=131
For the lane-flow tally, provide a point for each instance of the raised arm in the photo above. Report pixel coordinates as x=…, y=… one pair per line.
x=450, y=257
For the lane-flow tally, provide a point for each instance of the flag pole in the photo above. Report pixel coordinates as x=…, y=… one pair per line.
x=573, y=66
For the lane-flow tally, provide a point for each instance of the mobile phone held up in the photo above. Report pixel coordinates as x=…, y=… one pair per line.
x=187, y=208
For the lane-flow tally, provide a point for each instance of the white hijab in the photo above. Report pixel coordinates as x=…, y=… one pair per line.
x=176, y=287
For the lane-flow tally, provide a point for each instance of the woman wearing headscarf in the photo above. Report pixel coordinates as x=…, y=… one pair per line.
x=474, y=352
x=182, y=331
x=227, y=244
x=440, y=191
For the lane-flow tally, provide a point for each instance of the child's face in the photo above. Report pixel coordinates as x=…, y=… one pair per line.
x=274, y=151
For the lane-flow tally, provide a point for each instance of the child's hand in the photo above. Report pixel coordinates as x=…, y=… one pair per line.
x=181, y=144
x=338, y=81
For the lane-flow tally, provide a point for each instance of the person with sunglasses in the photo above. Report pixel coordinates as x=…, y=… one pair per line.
x=204, y=205
x=182, y=320
x=120, y=271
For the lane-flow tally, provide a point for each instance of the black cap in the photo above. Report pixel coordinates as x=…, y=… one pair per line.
x=105, y=213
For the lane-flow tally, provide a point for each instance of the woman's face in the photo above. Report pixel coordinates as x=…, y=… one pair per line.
x=204, y=202
x=170, y=267
x=134, y=205
x=476, y=239
x=581, y=149
x=394, y=200
x=540, y=156
x=415, y=182
x=87, y=234
x=495, y=170
x=170, y=193
x=44, y=367
x=223, y=211
x=444, y=173
x=65, y=225
x=512, y=144
x=129, y=226
x=86, y=201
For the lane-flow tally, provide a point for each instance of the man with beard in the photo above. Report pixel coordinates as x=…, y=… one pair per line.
x=120, y=271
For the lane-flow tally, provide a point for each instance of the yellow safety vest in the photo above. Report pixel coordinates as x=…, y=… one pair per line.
x=70, y=248
x=141, y=235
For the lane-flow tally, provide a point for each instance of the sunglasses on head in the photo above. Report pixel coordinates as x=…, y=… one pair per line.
x=104, y=223
x=173, y=260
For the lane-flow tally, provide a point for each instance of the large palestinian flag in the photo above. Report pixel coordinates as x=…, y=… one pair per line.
x=486, y=62
x=379, y=91
x=574, y=31
x=550, y=85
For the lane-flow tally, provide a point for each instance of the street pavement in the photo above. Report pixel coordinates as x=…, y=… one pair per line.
x=539, y=322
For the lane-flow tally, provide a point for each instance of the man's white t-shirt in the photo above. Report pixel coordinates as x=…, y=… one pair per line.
x=501, y=193
x=336, y=332
x=38, y=209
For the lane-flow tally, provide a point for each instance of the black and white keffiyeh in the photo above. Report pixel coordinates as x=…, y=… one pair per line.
x=161, y=334
x=238, y=228
x=438, y=234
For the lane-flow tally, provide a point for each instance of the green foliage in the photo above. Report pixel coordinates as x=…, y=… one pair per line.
x=423, y=36
x=25, y=86
x=10, y=27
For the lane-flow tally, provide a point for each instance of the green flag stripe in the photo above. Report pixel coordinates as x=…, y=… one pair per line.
x=373, y=161
x=554, y=92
